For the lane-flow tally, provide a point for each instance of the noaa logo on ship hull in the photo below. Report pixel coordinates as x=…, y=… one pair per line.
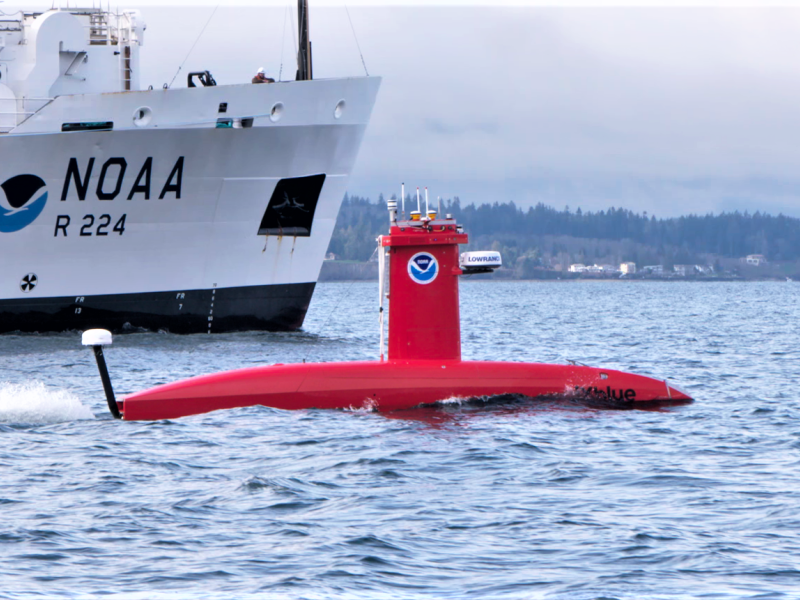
x=21, y=201
x=423, y=268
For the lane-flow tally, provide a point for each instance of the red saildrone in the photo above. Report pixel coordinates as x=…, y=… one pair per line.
x=424, y=363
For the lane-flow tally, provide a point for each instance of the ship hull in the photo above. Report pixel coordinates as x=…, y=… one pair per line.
x=180, y=225
x=279, y=307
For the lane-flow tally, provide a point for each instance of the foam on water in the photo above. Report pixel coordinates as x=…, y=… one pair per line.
x=452, y=400
x=32, y=403
x=367, y=406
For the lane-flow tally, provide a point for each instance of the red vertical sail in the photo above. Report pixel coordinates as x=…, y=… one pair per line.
x=424, y=320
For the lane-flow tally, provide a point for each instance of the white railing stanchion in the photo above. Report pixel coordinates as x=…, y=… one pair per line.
x=381, y=287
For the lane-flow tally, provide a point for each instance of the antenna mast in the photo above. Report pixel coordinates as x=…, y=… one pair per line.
x=304, y=71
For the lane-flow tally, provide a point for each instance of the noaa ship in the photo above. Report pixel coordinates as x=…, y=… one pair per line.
x=207, y=208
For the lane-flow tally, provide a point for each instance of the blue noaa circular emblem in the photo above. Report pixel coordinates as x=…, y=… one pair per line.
x=423, y=267
x=21, y=201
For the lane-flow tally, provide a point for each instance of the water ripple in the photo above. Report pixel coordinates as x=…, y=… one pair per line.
x=493, y=498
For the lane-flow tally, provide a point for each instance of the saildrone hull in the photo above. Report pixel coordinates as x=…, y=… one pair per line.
x=392, y=385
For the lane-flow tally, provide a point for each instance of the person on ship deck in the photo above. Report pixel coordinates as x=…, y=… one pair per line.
x=262, y=78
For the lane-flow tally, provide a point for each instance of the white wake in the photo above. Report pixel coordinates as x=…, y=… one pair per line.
x=34, y=404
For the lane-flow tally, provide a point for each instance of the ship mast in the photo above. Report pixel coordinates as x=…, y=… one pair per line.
x=304, y=51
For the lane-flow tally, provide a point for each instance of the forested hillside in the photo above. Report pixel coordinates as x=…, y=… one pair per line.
x=544, y=236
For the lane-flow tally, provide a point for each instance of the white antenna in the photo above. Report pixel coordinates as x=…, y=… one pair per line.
x=426, y=201
x=403, y=198
x=418, y=208
x=439, y=206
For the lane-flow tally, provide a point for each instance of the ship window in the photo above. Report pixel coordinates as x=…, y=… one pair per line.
x=291, y=208
x=247, y=121
x=223, y=107
x=95, y=126
x=224, y=123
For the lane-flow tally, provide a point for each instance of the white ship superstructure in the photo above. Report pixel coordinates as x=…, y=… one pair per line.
x=205, y=208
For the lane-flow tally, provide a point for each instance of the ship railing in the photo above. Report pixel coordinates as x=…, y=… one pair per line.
x=102, y=32
x=10, y=25
x=15, y=111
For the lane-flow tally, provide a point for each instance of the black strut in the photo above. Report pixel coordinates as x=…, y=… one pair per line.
x=101, y=366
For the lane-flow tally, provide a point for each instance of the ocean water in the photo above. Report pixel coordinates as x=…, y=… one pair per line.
x=506, y=499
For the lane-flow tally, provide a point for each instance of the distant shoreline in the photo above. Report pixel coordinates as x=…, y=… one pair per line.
x=349, y=271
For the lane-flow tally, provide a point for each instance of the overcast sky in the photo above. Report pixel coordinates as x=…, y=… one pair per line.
x=665, y=110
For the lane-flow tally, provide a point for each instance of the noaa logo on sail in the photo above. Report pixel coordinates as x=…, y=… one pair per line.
x=21, y=201
x=423, y=267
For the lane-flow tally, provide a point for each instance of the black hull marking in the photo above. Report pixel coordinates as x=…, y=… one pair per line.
x=262, y=308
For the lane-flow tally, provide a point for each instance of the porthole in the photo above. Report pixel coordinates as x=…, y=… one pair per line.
x=276, y=113
x=142, y=116
x=340, y=106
